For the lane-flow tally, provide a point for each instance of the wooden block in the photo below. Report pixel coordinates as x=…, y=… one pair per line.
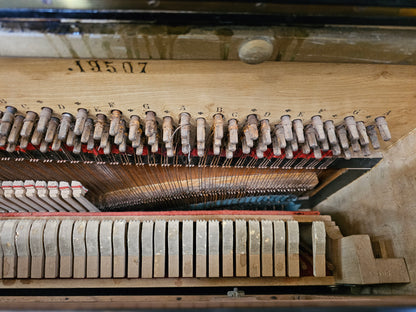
x=50, y=241
x=173, y=248
x=159, y=249
x=79, y=249
x=187, y=248
x=201, y=248
x=37, y=252
x=318, y=248
x=254, y=248
x=147, y=249
x=227, y=248
x=266, y=248
x=119, y=248
x=93, y=249
x=23, y=248
x=65, y=248
x=213, y=248
x=279, y=248
x=106, y=249
x=8, y=233
x=293, y=269
x=240, y=248
x=133, y=249
x=392, y=270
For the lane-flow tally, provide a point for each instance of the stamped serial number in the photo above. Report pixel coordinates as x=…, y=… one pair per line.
x=101, y=66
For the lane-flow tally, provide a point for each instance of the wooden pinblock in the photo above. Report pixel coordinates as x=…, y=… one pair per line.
x=119, y=248
x=279, y=248
x=50, y=241
x=7, y=235
x=159, y=248
x=147, y=249
x=23, y=248
x=318, y=248
x=79, y=249
x=187, y=248
x=240, y=248
x=213, y=248
x=65, y=248
x=293, y=269
x=133, y=249
x=93, y=249
x=254, y=248
x=106, y=249
x=173, y=248
x=201, y=248
x=266, y=248
x=227, y=248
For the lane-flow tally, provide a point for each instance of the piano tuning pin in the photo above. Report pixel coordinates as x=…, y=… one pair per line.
x=306, y=149
x=245, y=148
x=298, y=127
x=99, y=126
x=383, y=128
x=200, y=136
x=233, y=131
x=324, y=145
x=366, y=150
x=352, y=128
x=294, y=143
x=265, y=132
x=169, y=152
x=36, y=138
x=24, y=142
x=372, y=134
x=250, y=130
x=90, y=142
x=216, y=149
x=336, y=149
x=3, y=140
x=259, y=153
x=229, y=154
x=287, y=127
x=151, y=139
x=11, y=147
x=319, y=128
x=277, y=151
x=150, y=124
x=15, y=130
x=232, y=147
x=88, y=129
x=70, y=138
x=137, y=142
x=56, y=144
x=317, y=153
x=107, y=148
x=80, y=119
x=118, y=138
x=355, y=145
x=44, y=116
x=280, y=135
x=289, y=152
x=362, y=132
x=342, y=136
x=7, y=120
x=77, y=145
x=28, y=124
x=185, y=124
x=105, y=136
x=139, y=150
x=311, y=137
x=218, y=127
x=114, y=122
x=330, y=132
x=66, y=120
x=167, y=129
x=134, y=126
x=44, y=146
x=123, y=145
x=347, y=153
x=51, y=130
x=155, y=146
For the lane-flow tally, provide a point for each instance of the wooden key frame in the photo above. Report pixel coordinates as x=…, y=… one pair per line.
x=204, y=88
